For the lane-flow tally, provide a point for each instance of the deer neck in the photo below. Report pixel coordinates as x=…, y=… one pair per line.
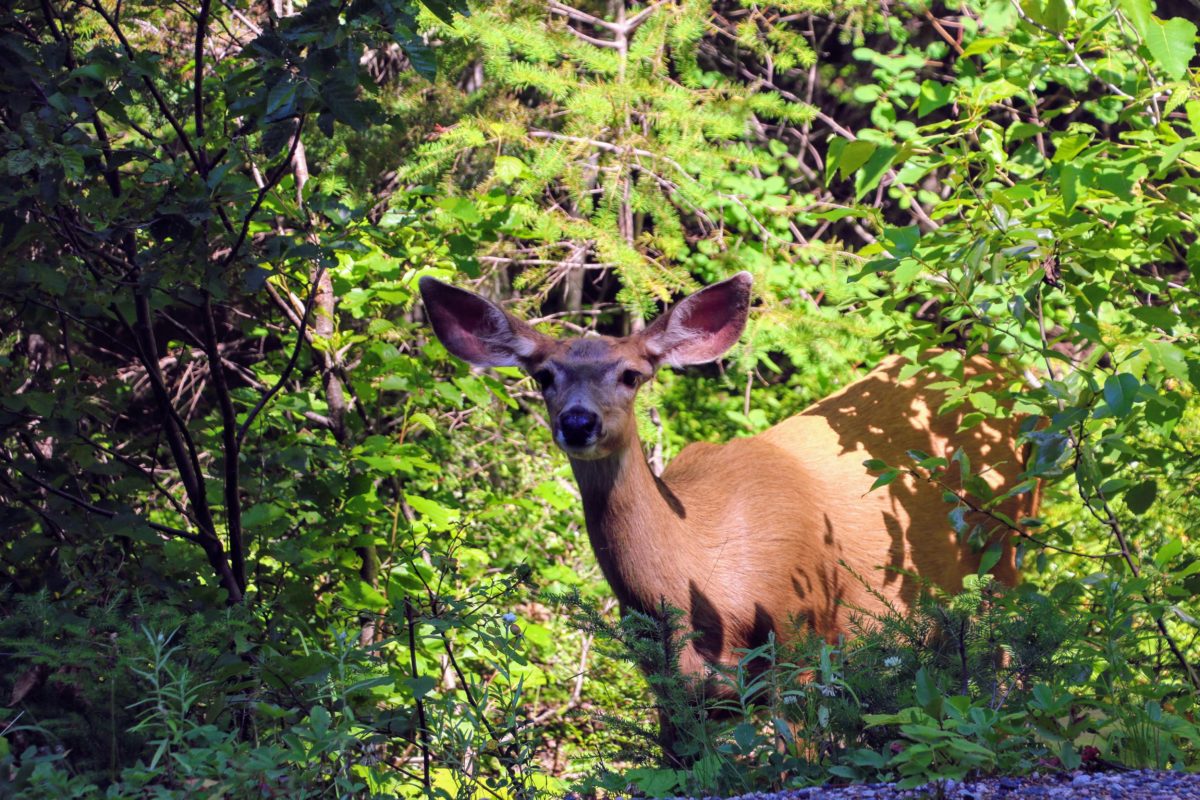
x=636, y=526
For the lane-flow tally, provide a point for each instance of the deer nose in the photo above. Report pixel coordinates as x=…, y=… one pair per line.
x=579, y=427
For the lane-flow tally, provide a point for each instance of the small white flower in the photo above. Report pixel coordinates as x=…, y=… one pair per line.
x=828, y=691
x=892, y=662
x=790, y=700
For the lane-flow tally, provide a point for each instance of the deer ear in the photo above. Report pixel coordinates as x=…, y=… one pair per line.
x=477, y=330
x=702, y=326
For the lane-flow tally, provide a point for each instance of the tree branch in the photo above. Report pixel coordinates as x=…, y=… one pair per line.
x=198, y=82
x=229, y=443
x=94, y=509
x=159, y=101
x=273, y=179
x=301, y=337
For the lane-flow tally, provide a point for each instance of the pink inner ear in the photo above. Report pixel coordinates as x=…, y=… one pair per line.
x=714, y=314
x=460, y=340
x=474, y=329
x=703, y=326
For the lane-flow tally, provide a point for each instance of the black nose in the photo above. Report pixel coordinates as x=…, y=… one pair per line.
x=578, y=426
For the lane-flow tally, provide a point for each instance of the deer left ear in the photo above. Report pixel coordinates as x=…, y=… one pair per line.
x=476, y=329
x=702, y=326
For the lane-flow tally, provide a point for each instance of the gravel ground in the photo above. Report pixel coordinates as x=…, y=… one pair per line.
x=1131, y=785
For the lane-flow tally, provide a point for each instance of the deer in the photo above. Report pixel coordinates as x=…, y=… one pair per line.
x=762, y=534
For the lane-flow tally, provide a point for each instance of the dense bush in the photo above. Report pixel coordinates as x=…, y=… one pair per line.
x=261, y=536
x=991, y=680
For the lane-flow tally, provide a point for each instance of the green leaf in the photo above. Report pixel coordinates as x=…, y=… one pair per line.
x=904, y=240
x=854, y=155
x=971, y=420
x=320, y=720
x=1068, y=146
x=461, y=209
x=433, y=513
x=281, y=99
x=371, y=683
x=1070, y=181
x=958, y=517
x=885, y=479
x=1168, y=551
x=989, y=559
x=1173, y=44
x=984, y=402
x=1139, y=14
x=873, y=171
x=420, y=55
x=963, y=460
x=1120, y=392
x=261, y=514
x=445, y=11
x=420, y=686
x=360, y=594
x=509, y=169
x=833, y=156
x=928, y=695
x=1157, y=316
x=1053, y=14
x=340, y=94
x=912, y=782
x=745, y=735
x=325, y=123
x=933, y=96
x=982, y=45
x=1139, y=498
x=1056, y=14
x=1164, y=411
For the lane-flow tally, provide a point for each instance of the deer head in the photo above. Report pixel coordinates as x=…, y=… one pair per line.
x=589, y=384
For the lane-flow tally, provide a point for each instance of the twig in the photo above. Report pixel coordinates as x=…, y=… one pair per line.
x=145, y=473
x=198, y=82
x=229, y=443
x=423, y=730
x=1070, y=49
x=249, y=23
x=1108, y=519
x=301, y=327
x=273, y=178
x=963, y=498
x=159, y=100
x=94, y=509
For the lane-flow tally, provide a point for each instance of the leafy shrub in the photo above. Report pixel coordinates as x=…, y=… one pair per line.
x=992, y=680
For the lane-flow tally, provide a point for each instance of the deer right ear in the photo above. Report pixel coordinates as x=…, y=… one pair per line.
x=475, y=329
x=702, y=326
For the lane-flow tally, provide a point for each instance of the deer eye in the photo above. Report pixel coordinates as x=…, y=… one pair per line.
x=545, y=378
x=632, y=378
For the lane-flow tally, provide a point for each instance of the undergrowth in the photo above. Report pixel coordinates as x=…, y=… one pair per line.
x=991, y=681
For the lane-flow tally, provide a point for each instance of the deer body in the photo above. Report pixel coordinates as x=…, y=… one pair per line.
x=749, y=536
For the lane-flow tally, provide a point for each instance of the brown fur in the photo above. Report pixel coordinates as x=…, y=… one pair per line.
x=749, y=535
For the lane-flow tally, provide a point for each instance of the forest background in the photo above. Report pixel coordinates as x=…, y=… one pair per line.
x=260, y=536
